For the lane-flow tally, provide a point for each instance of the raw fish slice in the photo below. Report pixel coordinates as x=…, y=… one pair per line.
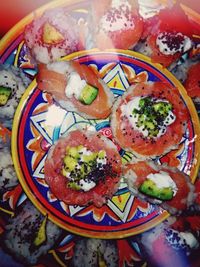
x=53, y=35
x=129, y=138
x=55, y=83
x=115, y=25
x=58, y=183
x=136, y=174
x=192, y=83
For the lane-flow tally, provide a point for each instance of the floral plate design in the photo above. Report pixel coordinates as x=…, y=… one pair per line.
x=39, y=122
x=124, y=215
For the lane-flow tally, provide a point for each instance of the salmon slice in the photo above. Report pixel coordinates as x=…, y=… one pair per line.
x=130, y=139
x=55, y=83
x=141, y=169
x=59, y=184
x=113, y=36
x=157, y=56
x=192, y=83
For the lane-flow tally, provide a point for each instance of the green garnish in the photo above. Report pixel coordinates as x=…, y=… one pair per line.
x=41, y=234
x=78, y=165
x=152, y=115
x=5, y=93
x=149, y=188
x=88, y=94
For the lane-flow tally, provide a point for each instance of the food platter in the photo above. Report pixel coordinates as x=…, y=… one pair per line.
x=32, y=124
x=39, y=122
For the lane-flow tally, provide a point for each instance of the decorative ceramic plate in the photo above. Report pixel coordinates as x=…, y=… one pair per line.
x=39, y=122
x=35, y=130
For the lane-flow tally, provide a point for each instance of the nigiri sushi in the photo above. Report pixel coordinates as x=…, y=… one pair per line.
x=75, y=87
x=115, y=24
x=53, y=35
x=162, y=185
x=167, y=39
x=83, y=168
x=150, y=119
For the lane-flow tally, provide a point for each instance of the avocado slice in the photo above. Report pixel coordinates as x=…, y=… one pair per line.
x=5, y=93
x=74, y=152
x=149, y=188
x=88, y=94
x=162, y=108
x=70, y=163
x=51, y=35
x=41, y=234
x=73, y=185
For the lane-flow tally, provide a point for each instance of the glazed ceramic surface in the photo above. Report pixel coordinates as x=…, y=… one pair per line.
x=39, y=122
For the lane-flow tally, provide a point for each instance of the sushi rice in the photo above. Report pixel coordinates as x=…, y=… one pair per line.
x=14, y=78
x=90, y=252
x=21, y=231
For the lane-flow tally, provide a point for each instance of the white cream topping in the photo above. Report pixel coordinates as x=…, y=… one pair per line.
x=86, y=185
x=101, y=161
x=117, y=18
x=74, y=85
x=120, y=4
x=190, y=239
x=128, y=108
x=162, y=41
x=149, y=8
x=61, y=67
x=163, y=180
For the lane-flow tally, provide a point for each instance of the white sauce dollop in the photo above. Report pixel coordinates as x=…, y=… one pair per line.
x=149, y=8
x=86, y=185
x=61, y=67
x=116, y=21
x=181, y=46
x=190, y=239
x=163, y=180
x=74, y=85
x=128, y=108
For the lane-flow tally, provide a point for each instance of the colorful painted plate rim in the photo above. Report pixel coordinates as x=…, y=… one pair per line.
x=74, y=229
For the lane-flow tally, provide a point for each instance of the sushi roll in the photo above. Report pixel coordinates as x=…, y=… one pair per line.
x=75, y=87
x=13, y=83
x=95, y=253
x=115, y=24
x=167, y=39
x=29, y=235
x=83, y=168
x=162, y=185
x=163, y=246
x=150, y=119
x=53, y=35
x=8, y=177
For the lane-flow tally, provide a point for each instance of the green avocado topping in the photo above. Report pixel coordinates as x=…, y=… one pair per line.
x=5, y=93
x=151, y=115
x=81, y=164
x=41, y=234
x=88, y=94
x=149, y=188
